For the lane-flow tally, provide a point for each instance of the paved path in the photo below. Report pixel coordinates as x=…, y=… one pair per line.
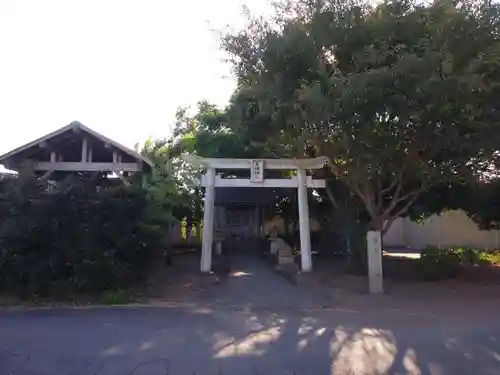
x=149, y=340
x=366, y=340
x=254, y=284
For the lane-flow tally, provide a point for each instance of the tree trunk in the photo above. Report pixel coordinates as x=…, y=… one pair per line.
x=356, y=236
x=377, y=224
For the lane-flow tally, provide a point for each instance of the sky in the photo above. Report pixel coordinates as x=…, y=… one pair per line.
x=120, y=67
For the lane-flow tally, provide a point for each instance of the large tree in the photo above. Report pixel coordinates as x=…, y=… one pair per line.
x=400, y=96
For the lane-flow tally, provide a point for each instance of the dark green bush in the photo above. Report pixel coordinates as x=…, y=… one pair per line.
x=436, y=264
x=77, y=240
x=468, y=255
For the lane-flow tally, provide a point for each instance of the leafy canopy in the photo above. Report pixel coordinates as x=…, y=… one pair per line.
x=400, y=96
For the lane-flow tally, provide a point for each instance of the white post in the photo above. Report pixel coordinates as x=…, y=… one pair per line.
x=208, y=221
x=374, y=249
x=305, y=234
x=84, y=150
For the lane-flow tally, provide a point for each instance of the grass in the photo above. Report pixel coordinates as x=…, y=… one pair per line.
x=108, y=297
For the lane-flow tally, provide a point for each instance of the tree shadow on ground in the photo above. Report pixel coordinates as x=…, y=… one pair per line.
x=203, y=341
x=256, y=323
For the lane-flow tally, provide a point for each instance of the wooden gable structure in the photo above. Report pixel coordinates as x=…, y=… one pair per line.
x=76, y=149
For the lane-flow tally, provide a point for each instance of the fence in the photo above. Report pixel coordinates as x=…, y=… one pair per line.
x=451, y=228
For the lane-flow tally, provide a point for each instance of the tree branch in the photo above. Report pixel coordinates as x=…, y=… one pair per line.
x=410, y=195
x=388, y=224
x=393, y=183
x=402, y=211
x=331, y=197
x=366, y=200
x=396, y=198
x=407, y=205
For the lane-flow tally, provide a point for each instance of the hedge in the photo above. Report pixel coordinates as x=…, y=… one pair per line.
x=435, y=263
x=76, y=240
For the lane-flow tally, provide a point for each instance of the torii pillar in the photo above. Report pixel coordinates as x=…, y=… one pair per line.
x=208, y=221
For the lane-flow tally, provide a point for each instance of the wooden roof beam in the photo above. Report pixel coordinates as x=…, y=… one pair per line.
x=87, y=167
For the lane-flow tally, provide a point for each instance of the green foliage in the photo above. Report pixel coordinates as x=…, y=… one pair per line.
x=75, y=240
x=400, y=96
x=483, y=204
x=447, y=196
x=116, y=297
x=170, y=186
x=213, y=132
x=436, y=264
x=162, y=196
x=480, y=200
x=491, y=257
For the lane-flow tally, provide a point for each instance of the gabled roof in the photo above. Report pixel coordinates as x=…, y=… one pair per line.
x=77, y=126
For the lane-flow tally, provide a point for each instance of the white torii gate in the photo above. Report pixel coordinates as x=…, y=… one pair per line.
x=210, y=180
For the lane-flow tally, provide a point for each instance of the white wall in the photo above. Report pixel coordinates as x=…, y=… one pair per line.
x=451, y=228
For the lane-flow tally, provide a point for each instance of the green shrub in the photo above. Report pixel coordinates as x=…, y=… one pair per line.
x=116, y=297
x=436, y=264
x=491, y=257
x=77, y=240
x=467, y=255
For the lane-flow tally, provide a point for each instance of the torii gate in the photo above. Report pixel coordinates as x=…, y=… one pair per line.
x=257, y=166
